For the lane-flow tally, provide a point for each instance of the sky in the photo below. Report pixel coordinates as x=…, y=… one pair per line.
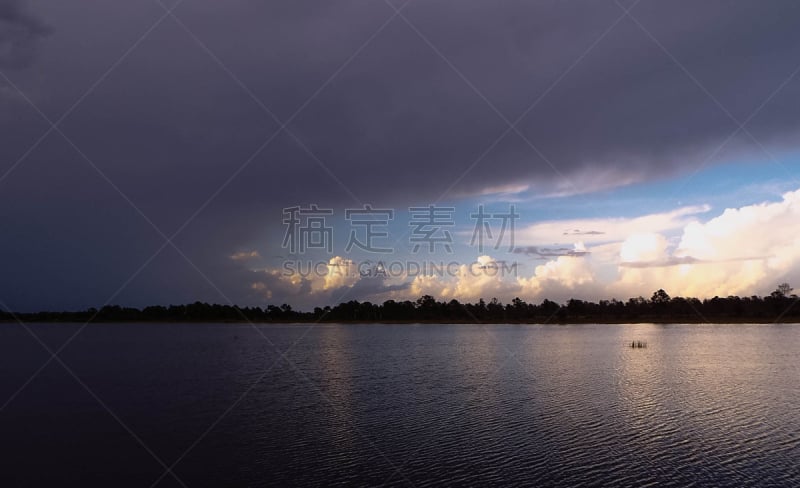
x=314, y=152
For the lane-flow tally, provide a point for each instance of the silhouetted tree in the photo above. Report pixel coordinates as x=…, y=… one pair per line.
x=427, y=308
x=783, y=290
x=660, y=296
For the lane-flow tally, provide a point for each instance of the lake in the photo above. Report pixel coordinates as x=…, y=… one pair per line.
x=400, y=405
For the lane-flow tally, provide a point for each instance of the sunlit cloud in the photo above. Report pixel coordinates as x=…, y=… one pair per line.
x=744, y=250
x=340, y=272
x=245, y=256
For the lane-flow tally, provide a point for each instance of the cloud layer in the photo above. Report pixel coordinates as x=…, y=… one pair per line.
x=743, y=251
x=20, y=34
x=183, y=116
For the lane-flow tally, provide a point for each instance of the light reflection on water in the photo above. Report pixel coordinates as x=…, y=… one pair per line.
x=407, y=405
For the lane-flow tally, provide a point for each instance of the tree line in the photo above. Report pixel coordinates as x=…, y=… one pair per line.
x=780, y=305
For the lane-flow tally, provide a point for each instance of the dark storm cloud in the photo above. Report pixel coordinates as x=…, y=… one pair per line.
x=398, y=118
x=20, y=33
x=664, y=263
x=374, y=112
x=550, y=252
x=578, y=232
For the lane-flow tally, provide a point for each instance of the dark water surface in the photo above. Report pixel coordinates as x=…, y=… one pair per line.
x=413, y=405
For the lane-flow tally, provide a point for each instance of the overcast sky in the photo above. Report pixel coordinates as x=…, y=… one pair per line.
x=149, y=148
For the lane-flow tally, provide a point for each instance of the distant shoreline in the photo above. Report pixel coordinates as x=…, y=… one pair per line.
x=586, y=321
x=778, y=307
